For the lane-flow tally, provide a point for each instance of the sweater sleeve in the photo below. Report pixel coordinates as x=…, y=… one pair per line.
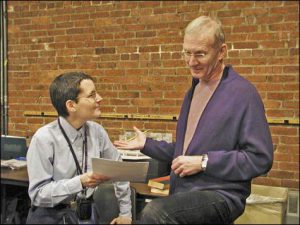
x=254, y=154
x=160, y=150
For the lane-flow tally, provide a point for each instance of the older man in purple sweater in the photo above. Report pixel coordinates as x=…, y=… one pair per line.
x=222, y=138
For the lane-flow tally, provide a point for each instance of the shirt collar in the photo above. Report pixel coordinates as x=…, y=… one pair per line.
x=71, y=132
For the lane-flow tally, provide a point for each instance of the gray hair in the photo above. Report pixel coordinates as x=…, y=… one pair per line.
x=207, y=24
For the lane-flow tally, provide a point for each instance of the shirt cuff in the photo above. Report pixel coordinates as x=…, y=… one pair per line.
x=74, y=185
x=125, y=210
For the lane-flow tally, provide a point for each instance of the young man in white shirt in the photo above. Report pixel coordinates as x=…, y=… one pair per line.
x=59, y=157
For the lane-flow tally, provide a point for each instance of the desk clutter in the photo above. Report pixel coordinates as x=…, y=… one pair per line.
x=14, y=163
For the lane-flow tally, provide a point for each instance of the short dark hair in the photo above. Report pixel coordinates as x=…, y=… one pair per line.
x=66, y=87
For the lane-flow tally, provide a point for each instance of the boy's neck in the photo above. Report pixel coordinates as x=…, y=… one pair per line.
x=75, y=122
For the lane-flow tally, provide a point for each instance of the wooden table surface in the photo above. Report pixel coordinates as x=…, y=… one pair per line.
x=17, y=175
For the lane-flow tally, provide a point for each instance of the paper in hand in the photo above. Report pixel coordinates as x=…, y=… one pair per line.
x=121, y=171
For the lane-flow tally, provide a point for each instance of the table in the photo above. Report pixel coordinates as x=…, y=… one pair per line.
x=17, y=177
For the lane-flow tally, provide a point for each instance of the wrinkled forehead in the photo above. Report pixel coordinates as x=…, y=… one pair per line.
x=198, y=39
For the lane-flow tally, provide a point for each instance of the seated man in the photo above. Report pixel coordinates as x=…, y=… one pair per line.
x=60, y=153
x=222, y=138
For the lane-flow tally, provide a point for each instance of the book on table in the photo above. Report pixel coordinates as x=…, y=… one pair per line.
x=161, y=183
x=160, y=191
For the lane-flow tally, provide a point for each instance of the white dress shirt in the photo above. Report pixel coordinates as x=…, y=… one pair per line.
x=52, y=169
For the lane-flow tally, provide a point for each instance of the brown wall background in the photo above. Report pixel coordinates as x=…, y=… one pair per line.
x=133, y=50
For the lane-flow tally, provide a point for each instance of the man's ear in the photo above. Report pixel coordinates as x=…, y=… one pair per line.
x=223, y=52
x=71, y=106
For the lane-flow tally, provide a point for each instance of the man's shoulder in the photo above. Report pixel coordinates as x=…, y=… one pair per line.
x=47, y=129
x=240, y=82
x=47, y=132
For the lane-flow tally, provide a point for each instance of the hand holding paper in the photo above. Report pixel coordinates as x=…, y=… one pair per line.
x=92, y=179
x=121, y=171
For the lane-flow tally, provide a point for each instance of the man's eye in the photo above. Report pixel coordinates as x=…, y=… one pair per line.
x=200, y=54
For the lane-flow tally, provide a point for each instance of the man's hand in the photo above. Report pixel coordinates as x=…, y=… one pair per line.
x=137, y=143
x=121, y=220
x=92, y=180
x=187, y=165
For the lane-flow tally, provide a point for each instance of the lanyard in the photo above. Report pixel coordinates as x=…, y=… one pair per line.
x=84, y=149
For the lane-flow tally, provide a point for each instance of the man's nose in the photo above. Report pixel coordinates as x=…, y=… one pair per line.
x=98, y=98
x=192, y=60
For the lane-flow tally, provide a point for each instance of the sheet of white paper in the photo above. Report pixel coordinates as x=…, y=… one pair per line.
x=121, y=171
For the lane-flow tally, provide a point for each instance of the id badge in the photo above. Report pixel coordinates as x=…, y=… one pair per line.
x=73, y=205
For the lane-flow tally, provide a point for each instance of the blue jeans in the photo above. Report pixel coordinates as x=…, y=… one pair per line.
x=200, y=207
x=43, y=215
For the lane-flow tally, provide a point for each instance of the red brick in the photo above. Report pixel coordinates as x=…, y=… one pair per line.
x=285, y=131
x=145, y=34
x=267, y=181
x=280, y=113
x=281, y=174
x=231, y=13
x=291, y=105
x=291, y=183
x=149, y=49
x=240, y=4
x=291, y=17
x=213, y=6
x=151, y=4
x=282, y=10
x=256, y=11
x=283, y=26
x=126, y=110
x=288, y=166
x=164, y=10
x=269, y=19
x=271, y=44
x=289, y=140
x=245, y=29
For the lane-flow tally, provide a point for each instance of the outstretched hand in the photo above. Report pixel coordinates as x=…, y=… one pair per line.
x=137, y=143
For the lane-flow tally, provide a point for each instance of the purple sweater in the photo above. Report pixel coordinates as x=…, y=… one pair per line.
x=233, y=131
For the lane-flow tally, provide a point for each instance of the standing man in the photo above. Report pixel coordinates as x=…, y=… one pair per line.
x=61, y=181
x=222, y=138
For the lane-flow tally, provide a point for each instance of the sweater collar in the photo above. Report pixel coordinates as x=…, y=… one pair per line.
x=195, y=81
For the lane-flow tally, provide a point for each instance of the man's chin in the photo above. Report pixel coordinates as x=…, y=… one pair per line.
x=97, y=114
x=196, y=74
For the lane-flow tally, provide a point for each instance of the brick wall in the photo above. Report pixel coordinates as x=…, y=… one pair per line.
x=132, y=49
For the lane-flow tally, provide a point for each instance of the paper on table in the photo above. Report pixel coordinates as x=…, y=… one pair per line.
x=121, y=171
x=13, y=163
